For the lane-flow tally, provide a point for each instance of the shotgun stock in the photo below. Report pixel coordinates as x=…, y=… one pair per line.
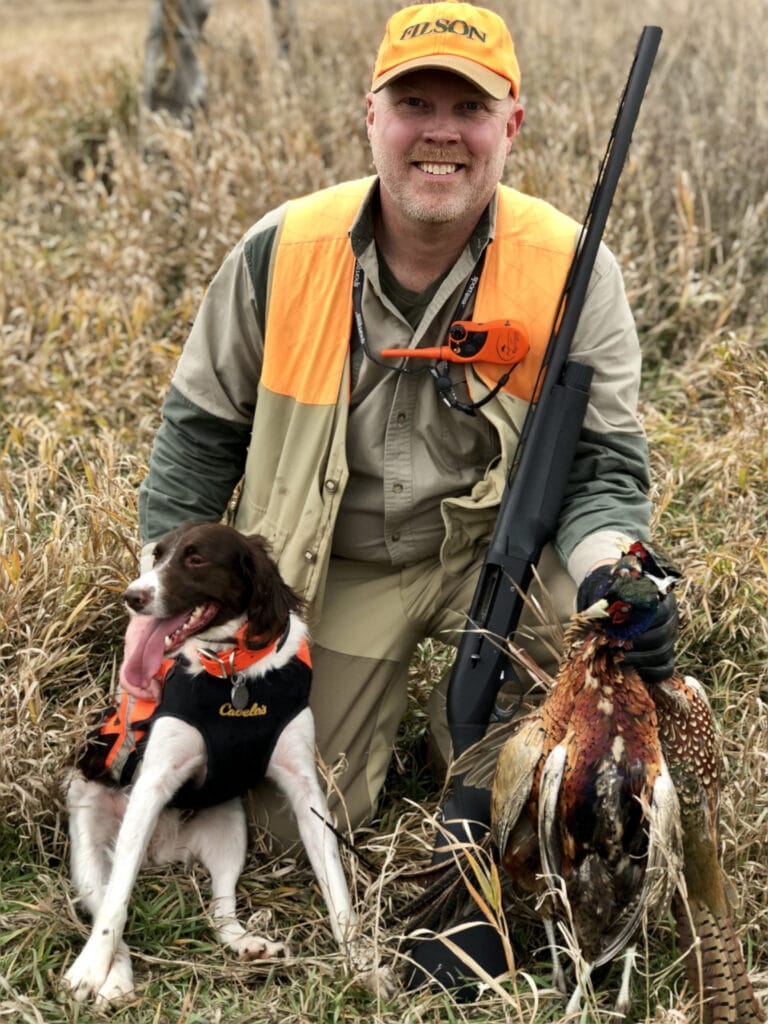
x=533, y=495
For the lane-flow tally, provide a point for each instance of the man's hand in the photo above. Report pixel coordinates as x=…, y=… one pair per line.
x=653, y=652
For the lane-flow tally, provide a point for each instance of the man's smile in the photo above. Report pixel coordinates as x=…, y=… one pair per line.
x=437, y=168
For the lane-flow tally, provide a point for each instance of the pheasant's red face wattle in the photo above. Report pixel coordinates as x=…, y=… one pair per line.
x=619, y=611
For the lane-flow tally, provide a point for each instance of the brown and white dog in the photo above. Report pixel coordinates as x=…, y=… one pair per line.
x=214, y=698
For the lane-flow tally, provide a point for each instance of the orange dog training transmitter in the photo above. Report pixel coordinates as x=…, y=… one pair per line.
x=497, y=341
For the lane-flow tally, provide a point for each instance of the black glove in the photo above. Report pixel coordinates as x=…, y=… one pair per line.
x=652, y=652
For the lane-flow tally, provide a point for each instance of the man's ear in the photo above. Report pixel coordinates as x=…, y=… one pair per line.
x=369, y=108
x=514, y=121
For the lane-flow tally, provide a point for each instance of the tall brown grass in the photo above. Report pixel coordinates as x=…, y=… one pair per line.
x=112, y=226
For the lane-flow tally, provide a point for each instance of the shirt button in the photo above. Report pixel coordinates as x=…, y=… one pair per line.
x=395, y=538
x=309, y=556
x=401, y=418
x=397, y=488
x=331, y=485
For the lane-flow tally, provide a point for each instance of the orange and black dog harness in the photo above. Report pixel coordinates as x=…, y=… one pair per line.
x=239, y=718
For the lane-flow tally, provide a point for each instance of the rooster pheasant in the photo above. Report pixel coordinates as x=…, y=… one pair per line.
x=714, y=960
x=583, y=809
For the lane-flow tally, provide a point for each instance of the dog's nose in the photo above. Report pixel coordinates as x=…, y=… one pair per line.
x=137, y=598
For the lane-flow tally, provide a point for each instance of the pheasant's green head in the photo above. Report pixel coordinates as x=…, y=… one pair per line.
x=630, y=605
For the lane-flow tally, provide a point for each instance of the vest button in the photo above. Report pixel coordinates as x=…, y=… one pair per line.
x=309, y=556
x=331, y=485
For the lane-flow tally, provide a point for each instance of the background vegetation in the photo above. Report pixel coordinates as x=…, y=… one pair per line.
x=111, y=228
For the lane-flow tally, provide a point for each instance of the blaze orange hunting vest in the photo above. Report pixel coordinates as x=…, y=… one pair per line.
x=310, y=301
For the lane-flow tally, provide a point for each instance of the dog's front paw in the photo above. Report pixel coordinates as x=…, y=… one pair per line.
x=254, y=947
x=118, y=986
x=101, y=975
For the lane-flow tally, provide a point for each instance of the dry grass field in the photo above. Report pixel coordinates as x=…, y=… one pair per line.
x=106, y=249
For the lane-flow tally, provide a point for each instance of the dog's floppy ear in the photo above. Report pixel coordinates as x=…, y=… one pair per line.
x=271, y=599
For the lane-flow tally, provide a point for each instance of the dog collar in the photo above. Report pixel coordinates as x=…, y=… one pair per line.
x=228, y=663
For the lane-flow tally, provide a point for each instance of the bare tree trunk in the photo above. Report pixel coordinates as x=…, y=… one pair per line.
x=174, y=79
x=284, y=21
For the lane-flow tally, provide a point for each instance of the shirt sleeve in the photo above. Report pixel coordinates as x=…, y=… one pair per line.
x=195, y=464
x=199, y=451
x=220, y=365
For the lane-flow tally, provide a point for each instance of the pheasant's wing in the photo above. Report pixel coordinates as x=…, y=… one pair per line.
x=550, y=846
x=478, y=762
x=447, y=890
x=514, y=775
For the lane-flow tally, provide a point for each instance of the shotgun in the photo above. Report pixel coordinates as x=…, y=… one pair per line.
x=533, y=494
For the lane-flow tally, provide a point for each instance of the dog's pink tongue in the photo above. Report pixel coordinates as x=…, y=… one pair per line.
x=144, y=652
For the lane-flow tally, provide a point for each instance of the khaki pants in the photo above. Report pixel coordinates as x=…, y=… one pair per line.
x=373, y=619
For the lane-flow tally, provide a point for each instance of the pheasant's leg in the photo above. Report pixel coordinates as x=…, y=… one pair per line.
x=622, y=999
x=558, y=977
x=583, y=973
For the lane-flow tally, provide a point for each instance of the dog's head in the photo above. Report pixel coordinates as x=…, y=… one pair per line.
x=207, y=580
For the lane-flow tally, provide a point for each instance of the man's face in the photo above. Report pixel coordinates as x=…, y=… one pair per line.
x=439, y=144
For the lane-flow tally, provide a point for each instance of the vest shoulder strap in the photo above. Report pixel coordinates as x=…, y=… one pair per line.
x=523, y=279
x=310, y=296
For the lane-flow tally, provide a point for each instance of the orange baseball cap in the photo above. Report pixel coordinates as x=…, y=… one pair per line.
x=470, y=41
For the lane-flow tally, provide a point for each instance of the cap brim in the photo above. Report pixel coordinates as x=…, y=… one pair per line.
x=495, y=85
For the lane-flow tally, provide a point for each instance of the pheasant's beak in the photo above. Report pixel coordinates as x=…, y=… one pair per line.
x=598, y=610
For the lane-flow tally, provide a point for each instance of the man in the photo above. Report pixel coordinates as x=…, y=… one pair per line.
x=376, y=479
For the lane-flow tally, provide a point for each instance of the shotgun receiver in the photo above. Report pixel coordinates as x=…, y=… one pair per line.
x=539, y=470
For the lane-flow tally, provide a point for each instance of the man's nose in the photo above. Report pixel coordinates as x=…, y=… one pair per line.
x=442, y=127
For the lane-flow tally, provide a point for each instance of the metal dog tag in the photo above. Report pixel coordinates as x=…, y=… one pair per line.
x=240, y=697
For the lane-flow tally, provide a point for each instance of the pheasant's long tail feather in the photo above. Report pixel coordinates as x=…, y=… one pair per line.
x=715, y=965
x=747, y=1006
x=438, y=903
x=446, y=891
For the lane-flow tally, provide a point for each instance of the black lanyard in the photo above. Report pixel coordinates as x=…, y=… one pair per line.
x=438, y=371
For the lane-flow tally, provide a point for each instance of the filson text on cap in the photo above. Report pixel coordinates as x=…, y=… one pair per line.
x=458, y=28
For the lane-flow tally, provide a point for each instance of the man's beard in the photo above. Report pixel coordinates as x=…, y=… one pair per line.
x=440, y=208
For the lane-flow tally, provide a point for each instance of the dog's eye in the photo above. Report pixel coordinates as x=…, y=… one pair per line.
x=194, y=561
